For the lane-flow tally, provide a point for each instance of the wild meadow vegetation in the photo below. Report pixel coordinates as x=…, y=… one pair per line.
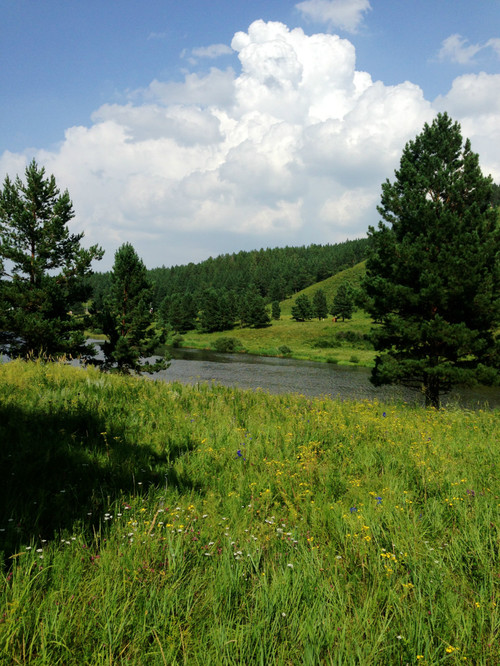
x=154, y=523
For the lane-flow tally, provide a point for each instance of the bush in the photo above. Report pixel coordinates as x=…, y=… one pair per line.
x=227, y=345
x=324, y=343
x=284, y=350
x=354, y=359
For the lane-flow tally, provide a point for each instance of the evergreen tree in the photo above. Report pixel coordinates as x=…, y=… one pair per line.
x=302, y=308
x=127, y=318
x=179, y=312
x=319, y=304
x=42, y=269
x=258, y=316
x=343, y=303
x=217, y=311
x=433, y=274
x=275, y=310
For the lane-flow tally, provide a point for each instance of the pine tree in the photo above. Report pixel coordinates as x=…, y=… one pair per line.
x=275, y=310
x=343, y=303
x=258, y=316
x=319, y=304
x=433, y=273
x=217, y=311
x=42, y=269
x=127, y=318
x=302, y=308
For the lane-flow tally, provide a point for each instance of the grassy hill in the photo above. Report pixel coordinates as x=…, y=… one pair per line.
x=329, y=286
x=325, y=341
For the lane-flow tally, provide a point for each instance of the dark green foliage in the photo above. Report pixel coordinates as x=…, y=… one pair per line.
x=302, y=309
x=179, y=312
x=42, y=269
x=276, y=272
x=343, y=303
x=253, y=311
x=284, y=350
x=319, y=305
x=495, y=197
x=433, y=273
x=275, y=310
x=227, y=345
x=127, y=318
x=217, y=311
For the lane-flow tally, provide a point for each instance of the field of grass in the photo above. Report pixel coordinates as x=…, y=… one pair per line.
x=305, y=339
x=151, y=523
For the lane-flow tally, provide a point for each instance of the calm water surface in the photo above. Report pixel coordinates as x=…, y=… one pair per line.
x=278, y=375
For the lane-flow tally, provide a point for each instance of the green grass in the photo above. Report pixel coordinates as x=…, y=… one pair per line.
x=152, y=523
x=302, y=338
x=313, y=340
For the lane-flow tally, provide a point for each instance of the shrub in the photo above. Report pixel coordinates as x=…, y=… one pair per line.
x=227, y=345
x=324, y=343
x=284, y=350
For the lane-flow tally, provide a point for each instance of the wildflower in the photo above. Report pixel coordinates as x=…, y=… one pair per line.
x=379, y=500
x=290, y=565
x=353, y=509
x=450, y=649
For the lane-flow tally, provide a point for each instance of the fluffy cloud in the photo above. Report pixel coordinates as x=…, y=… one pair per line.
x=292, y=150
x=457, y=49
x=474, y=100
x=344, y=14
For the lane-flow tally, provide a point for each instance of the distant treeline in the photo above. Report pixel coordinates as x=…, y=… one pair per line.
x=266, y=275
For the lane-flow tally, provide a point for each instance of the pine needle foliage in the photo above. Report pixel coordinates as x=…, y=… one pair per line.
x=42, y=269
x=433, y=271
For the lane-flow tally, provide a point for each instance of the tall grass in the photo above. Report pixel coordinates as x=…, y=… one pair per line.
x=150, y=523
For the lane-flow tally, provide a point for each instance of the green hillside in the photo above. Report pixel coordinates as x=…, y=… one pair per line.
x=325, y=341
x=329, y=286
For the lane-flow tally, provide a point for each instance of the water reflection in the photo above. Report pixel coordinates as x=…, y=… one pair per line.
x=281, y=375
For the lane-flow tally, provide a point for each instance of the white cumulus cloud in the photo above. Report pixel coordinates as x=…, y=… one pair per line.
x=290, y=151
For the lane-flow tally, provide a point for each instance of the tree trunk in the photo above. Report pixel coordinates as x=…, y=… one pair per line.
x=431, y=391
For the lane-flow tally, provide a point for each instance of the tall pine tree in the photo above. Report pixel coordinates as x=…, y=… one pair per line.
x=127, y=318
x=42, y=269
x=343, y=303
x=433, y=273
x=319, y=304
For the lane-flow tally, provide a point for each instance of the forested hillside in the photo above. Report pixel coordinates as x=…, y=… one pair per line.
x=238, y=286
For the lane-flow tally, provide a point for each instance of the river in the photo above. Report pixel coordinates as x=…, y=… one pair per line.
x=282, y=375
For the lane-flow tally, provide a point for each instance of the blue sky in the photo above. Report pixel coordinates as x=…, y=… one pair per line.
x=194, y=128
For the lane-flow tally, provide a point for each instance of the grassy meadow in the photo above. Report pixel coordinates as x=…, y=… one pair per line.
x=154, y=523
x=314, y=340
x=342, y=342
